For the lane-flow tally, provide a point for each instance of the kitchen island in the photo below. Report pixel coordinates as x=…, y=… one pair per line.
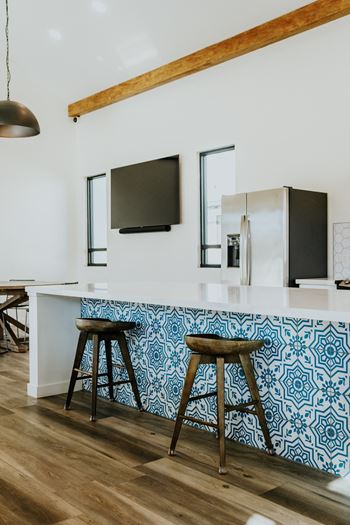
x=303, y=370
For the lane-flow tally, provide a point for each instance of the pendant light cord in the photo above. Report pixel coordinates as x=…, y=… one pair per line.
x=7, y=51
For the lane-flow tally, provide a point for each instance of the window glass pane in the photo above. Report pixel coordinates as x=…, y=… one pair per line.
x=219, y=180
x=213, y=256
x=99, y=257
x=98, y=212
x=97, y=219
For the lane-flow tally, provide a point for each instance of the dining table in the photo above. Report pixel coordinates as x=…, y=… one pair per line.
x=14, y=334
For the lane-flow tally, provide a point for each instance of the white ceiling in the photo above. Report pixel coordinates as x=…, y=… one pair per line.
x=68, y=49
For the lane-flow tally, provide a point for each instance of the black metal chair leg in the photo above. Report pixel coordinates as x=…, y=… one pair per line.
x=108, y=348
x=220, y=385
x=186, y=392
x=254, y=391
x=130, y=370
x=95, y=360
x=77, y=360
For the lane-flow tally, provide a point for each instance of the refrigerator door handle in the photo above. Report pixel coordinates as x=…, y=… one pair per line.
x=245, y=251
x=249, y=254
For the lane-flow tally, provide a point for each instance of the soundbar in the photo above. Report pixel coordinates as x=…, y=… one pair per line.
x=146, y=229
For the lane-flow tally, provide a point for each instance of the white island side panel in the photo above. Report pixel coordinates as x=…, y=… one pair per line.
x=52, y=340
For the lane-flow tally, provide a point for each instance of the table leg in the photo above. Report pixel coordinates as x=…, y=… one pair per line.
x=3, y=349
x=15, y=344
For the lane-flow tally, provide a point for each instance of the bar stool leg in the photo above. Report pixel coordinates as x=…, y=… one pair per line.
x=128, y=364
x=253, y=387
x=220, y=385
x=95, y=360
x=77, y=360
x=189, y=380
x=108, y=347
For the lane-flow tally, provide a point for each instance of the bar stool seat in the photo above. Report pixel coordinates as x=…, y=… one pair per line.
x=212, y=344
x=214, y=349
x=106, y=331
x=103, y=326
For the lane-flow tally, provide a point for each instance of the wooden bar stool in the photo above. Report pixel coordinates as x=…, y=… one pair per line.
x=213, y=349
x=107, y=331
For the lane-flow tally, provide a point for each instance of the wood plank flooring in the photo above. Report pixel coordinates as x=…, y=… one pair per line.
x=57, y=468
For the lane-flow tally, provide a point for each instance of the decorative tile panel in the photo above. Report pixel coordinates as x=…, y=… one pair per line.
x=341, y=250
x=303, y=373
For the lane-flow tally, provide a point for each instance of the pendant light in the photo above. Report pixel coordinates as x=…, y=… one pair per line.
x=16, y=120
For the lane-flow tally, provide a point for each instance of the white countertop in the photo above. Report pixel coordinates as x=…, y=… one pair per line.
x=325, y=304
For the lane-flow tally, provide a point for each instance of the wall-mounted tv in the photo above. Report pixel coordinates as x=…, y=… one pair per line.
x=146, y=194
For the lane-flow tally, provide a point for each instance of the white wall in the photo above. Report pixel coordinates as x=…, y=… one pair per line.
x=286, y=108
x=37, y=230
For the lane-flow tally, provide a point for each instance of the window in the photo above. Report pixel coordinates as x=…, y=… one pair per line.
x=97, y=220
x=217, y=173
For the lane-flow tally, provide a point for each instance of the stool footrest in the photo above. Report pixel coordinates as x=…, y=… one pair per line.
x=242, y=407
x=87, y=375
x=117, y=365
x=202, y=396
x=115, y=383
x=200, y=421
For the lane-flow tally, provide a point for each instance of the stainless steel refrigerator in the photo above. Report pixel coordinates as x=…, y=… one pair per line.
x=272, y=237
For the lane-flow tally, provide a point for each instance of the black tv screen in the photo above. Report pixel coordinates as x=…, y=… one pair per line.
x=146, y=194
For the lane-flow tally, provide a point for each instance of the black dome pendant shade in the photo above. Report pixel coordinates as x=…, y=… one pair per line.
x=16, y=120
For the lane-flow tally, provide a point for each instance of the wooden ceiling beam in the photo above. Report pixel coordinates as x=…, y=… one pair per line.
x=295, y=22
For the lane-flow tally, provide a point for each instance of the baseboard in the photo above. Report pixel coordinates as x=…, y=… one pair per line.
x=52, y=389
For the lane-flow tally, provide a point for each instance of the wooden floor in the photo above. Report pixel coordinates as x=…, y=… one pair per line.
x=58, y=468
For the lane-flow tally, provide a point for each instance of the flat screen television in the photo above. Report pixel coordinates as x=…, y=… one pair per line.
x=146, y=194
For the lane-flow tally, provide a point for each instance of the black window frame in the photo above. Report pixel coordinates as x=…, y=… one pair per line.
x=203, y=209
x=91, y=249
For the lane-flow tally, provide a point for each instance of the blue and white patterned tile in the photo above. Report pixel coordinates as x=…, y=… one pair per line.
x=298, y=452
x=138, y=314
x=331, y=432
x=274, y=415
x=195, y=321
x=177, y=359
x=330, y=345
x=338, y=467
x=298, y=385
x=243, y=325
x=175, y=327
x=303, y=374
x=124, y=396
x=298, y=421
x=297, y=334
x=268, y=376
x=156, y=407
x=270, y=331
x=156, y=355
x=331, y=396
x=243, y=430
x=155, y=322
x=219, y=324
